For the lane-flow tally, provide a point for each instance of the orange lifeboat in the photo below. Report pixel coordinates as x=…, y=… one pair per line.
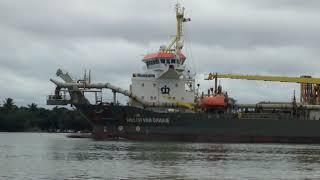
x=217, y=101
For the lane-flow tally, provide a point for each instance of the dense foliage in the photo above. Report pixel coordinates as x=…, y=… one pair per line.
x=33, y=118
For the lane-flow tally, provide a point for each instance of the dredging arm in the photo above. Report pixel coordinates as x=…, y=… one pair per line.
x=70, y=85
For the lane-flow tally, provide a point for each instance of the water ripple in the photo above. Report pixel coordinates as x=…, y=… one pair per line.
x=53, y=156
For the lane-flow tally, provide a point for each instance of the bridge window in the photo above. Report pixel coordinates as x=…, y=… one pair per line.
x=173, y=61
x=163, y=61
x=168, y=61
x=154, y=61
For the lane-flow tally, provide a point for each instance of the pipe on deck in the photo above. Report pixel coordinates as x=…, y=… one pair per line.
x=115, y=89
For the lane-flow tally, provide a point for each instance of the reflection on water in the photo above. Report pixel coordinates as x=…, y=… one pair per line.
x=52, y=156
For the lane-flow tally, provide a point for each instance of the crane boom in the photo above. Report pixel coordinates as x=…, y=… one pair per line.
x=309, y=86
x=302, y=79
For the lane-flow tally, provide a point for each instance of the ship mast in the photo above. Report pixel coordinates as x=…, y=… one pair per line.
x=177, y=40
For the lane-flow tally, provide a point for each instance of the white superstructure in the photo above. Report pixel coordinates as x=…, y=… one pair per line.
x=166, y=79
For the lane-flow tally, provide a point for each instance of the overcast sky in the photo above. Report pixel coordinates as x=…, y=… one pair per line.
x=273, y=37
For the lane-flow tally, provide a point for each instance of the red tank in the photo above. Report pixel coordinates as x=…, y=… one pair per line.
x=217, y=101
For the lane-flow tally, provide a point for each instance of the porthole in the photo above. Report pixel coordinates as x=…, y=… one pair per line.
x=120, y=128
x=138, y=128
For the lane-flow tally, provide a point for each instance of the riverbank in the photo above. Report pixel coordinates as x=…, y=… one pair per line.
x=34, y=119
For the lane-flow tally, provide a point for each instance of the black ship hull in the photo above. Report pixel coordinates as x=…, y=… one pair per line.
x=126, y=122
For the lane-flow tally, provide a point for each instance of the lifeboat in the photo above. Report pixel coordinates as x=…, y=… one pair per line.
x=217, y=101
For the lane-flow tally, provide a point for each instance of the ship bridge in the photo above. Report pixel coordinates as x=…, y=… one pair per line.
x=165, y=78
x=163, y=60
x=170, y=57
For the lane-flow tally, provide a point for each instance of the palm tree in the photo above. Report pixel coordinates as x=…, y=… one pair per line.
x=33, y=107
x=8, y=104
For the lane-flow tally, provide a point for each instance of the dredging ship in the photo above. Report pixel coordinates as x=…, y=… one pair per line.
x=165, y=104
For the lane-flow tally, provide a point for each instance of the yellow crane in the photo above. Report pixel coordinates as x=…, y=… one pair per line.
x=301, y=79
x=309, y=86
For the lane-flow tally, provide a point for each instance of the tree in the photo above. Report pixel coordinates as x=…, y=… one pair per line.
x=33, y=107
x=8, y=104
x=34, y=118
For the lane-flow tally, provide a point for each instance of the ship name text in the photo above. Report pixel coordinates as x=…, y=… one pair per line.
x=154, y=120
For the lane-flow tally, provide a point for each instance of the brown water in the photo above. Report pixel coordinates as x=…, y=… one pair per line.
x=53, y=156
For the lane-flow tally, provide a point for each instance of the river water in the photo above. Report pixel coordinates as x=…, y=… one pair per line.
x=53, y=156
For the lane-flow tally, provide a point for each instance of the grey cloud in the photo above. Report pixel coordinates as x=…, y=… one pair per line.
x=282, y=4
x=279, y=61
x=59, y=19
x=227, y=23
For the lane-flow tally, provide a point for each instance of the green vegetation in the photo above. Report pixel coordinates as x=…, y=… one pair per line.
x=33, y=118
